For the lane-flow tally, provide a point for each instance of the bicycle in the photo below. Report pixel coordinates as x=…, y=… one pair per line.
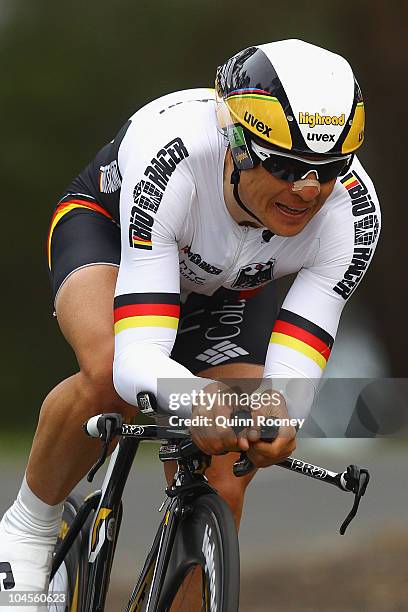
x=197, y=529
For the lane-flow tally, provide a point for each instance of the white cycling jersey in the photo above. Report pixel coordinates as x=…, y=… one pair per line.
x=178, y=236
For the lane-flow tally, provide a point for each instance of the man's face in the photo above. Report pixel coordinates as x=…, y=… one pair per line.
x=283, y=211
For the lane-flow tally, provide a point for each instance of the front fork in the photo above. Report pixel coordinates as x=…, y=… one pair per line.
x=105, y=526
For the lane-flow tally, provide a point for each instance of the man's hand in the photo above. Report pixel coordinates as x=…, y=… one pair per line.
x=265, y=453
x=215, y=438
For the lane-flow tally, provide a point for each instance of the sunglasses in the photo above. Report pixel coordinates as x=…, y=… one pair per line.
x=292, y=168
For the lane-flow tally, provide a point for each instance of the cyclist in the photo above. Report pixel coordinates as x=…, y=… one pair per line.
x=214, y=195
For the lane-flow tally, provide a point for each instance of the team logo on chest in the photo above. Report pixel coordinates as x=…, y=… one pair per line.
x=254, y=275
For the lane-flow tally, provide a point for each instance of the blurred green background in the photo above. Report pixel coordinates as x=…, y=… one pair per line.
x=72, y=74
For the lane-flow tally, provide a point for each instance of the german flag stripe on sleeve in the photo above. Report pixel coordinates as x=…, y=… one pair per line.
x=146, y=310
x=66, y=207
x=302, y=335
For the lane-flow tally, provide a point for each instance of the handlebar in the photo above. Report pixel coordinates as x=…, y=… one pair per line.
x=106, y=426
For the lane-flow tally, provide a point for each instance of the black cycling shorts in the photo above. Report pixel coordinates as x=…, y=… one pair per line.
x=226, y=327
x=82, y=233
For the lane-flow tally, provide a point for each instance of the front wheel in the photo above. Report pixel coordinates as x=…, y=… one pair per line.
x=204, y=562
x=66, y=581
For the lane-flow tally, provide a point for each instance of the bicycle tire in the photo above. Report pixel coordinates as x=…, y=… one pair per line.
x=69, y=575
x=206, y=537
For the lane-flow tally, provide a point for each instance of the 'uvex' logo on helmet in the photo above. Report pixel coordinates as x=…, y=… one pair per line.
x=260, y=126
x=316, y=119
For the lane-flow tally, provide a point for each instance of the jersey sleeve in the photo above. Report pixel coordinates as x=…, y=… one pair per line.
x=303, y=335
x=156, y=195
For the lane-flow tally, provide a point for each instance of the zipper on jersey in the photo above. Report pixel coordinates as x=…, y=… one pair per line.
x=244, y=233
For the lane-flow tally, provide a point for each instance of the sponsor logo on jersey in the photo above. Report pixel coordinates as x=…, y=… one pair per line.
x=254, y=275
x=260, y=126
x=359, y=264
x=196, y=259
x=109, y=178
x=366, y=230
x=361, y=201
x=220, y=352
x=164, y=164
x=228, y=325
x=140, y=229
x=189, y=274
x=320, y=137
x=147, y=196
x=365, y=233
x=316, y=119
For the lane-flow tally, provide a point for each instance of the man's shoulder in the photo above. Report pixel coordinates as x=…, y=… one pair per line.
x=354, y=193
x=186, y=116
x=353, y=200
x=176, y=104
x=350, y=228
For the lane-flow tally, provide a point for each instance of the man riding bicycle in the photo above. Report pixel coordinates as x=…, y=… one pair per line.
x=202, y=198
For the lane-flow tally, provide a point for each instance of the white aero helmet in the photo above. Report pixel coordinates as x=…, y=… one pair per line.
x=292, y=96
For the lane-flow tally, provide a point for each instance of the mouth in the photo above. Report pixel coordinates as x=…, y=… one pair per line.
x=291, y=211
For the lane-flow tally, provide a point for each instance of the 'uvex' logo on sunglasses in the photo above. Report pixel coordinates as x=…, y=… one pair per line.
x=316, y=119
x=260, y=126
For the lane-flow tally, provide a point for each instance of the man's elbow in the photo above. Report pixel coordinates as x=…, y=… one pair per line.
x=135, y=371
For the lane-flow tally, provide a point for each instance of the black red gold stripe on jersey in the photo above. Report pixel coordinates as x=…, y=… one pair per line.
x=141, y=243
x=302, y=335
x=66, y=207
x=146, y=310
x=350, y=181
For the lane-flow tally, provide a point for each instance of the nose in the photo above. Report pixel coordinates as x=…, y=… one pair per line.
x=308, y=188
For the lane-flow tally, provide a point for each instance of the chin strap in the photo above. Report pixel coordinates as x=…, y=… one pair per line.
x=235, y=176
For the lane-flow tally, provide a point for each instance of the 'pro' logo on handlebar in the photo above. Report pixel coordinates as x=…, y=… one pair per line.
x=308, y=468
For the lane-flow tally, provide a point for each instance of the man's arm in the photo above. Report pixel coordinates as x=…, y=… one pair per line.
x=146, y=309
x=304, y=333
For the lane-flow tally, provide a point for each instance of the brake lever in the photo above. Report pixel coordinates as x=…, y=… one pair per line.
x=356, y=480
x=109, y=425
